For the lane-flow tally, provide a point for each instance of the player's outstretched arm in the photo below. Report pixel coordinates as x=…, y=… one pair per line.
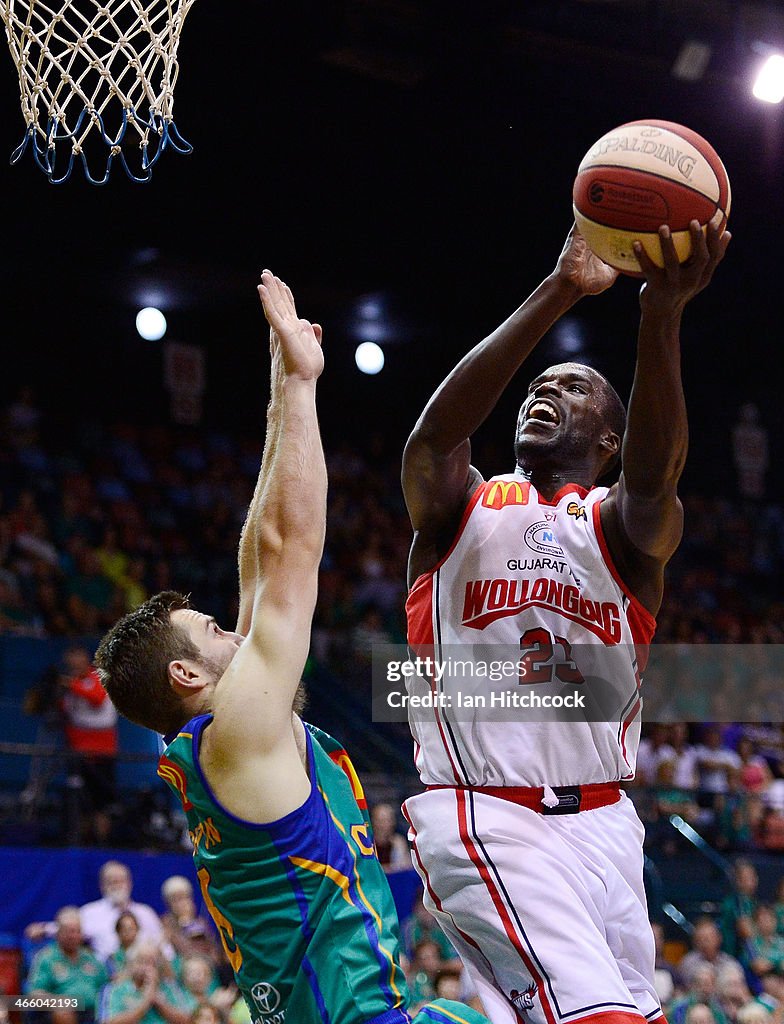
x=248, y=556
x=253, y=700
x=642, y=517
x=437, y=476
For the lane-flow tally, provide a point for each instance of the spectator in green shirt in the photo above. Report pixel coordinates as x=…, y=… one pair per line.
x=778, y=906
x=127, y=928
x=766, y=952
x=737, y=910
x=145, y=994
x=65, y=967
x=420, y=925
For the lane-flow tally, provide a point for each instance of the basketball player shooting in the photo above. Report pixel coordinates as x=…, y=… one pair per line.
x=281, y=836
x=530, y=854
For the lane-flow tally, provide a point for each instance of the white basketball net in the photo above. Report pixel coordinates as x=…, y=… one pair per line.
x=96, y=81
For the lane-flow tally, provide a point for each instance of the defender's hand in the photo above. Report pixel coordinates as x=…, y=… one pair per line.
x=667, y=289
x=582, y=268
x=299, y=341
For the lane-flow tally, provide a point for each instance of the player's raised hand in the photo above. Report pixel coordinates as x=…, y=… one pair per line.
x=298, y=342
x=667, y=289
x=583, y=268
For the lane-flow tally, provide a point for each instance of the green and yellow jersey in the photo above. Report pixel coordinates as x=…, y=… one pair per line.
x=302, y=904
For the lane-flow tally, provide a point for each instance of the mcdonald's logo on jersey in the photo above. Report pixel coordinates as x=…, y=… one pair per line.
x=578, y=511
x=501, y=493
x=175, y=776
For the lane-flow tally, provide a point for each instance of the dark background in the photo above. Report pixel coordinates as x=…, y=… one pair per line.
x=421, y=153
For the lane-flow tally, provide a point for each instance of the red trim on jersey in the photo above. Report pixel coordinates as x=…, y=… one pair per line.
x=499, y=905
x=592, y=795
x=419, y=611
x=562, y=492
x=641, y=623
x=463, y=522
x=615, y=1017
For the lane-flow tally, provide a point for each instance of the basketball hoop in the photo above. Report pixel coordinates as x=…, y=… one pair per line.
x=96, y=79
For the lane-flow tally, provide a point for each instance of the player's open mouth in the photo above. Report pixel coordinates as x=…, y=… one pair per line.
x=543, y=412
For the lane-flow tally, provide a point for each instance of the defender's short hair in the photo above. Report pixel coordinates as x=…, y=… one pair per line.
x=133, y=662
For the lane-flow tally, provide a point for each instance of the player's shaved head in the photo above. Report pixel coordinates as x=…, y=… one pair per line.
x=568, y=413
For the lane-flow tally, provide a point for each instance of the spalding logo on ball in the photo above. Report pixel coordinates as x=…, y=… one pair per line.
x=641, y=175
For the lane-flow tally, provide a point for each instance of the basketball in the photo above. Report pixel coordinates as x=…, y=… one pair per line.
x=639, y=176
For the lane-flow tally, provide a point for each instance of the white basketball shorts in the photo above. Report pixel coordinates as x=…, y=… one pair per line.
x=548, y=912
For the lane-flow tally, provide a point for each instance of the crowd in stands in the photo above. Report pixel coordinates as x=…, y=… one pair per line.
x=726, y=780
x=96, y=518
x=126, y=964
x=118, y=956
x=734, y=971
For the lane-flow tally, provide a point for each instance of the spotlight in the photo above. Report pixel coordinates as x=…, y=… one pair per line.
x=369, y=357
x=769, y=84
x=151, y=323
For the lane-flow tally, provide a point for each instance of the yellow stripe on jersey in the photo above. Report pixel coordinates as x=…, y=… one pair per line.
x=448, y=1013
x=324, y=869
x=370, y=907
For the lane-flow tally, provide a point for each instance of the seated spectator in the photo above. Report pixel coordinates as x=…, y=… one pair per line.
x=706, y=949
x=702, y=990
x=452, y=983
x=665, y=978
x=700, y=1013
x=739, y=816
x=778, y=906
x=420, y=924
x=197, y=981
x=206, y=1013
x=770, y=829
x=144, y=994
x=733, y=992
x=766, y=952
x=100, y=917
x=127, y=928
x=655, y=738
x=756, y=1013
x=447, y=984
x=684, y=754
x=755, y=774
x=737, y=909
x=715, y=762
x=391, y=847
x=188, y=933
x=66, y=967
x=425, y=966
x=670, y=799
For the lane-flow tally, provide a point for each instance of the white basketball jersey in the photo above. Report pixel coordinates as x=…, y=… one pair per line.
x=531, y=575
